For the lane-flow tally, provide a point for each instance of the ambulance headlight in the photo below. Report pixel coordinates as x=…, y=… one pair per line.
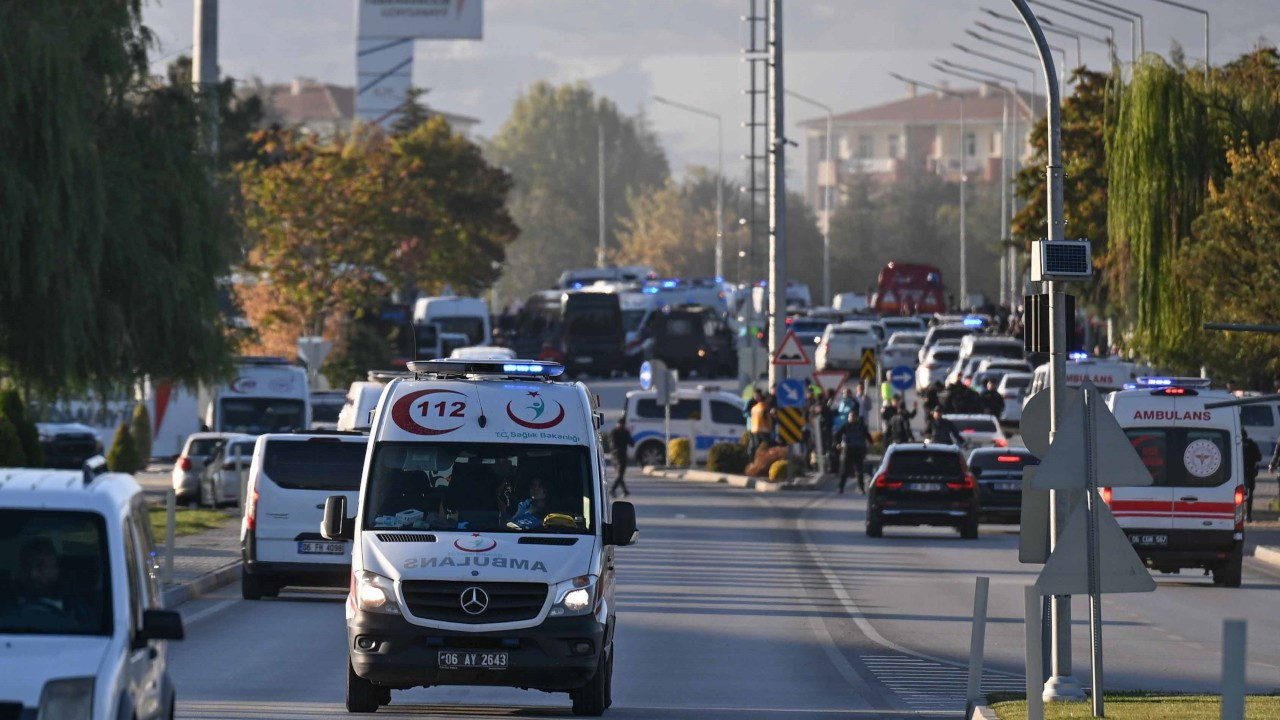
x=68, y=699
x=575, y=597
x=375, y=593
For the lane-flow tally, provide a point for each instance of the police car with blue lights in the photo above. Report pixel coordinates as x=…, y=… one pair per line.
x=1192, y=515
x=482, y=545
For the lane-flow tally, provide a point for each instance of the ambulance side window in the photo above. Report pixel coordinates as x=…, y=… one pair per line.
x=1151, y=445
x=1257, y=415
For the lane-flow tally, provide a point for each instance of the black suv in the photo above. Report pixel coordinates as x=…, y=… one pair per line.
x=999, y=475
x=923, y=484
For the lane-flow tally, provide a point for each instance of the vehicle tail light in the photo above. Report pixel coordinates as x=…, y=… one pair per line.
x=1239, y=508
x=251, y=507
x=1009, y=459
x=968, y=382
x=1001, y=442
x=967, y=484
x=1106, y=495
x=184, y=463
x=882, y=480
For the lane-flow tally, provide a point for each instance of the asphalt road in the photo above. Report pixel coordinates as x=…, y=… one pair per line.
x=743, y=605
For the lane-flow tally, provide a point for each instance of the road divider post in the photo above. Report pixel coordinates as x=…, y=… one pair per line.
x=171, y=519
x=1233, y=667
x=977, y=644
x=1032, y=656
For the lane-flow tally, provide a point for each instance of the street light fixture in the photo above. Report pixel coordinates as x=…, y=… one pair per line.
x=1111, y=31
x=1142, y=29
x=719, y=173
x=1006, y=33
x=826, y=227
x=964, y=178
x=1134, y=50
x=1017, y=51
x=1055, y=28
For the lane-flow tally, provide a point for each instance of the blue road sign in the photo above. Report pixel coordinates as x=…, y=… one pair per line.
x=791, y=393
x=902, y=377
x=646, y=375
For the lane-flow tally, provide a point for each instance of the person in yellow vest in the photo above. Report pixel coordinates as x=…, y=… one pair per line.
x=886, y=389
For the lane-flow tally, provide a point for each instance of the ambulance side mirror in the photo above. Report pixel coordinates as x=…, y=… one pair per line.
x=336, y=525
x=623, y=530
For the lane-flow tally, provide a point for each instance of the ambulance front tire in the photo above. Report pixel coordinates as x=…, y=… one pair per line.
x=362, y=695
x=1230, y=573
x=592, y=699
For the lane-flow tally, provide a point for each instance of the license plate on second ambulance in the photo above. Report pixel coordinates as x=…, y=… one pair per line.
x=320, y=547
x=453, y=659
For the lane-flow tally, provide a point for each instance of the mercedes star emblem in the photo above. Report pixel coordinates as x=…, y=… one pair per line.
x=474, y=600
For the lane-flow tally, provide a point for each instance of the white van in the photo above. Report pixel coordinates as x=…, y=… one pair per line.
x=483, y=544
x=1106, y=375
x=1193, y=515
x=706, y=414
x=362, y=398
x=82, y=632
x=991, y=346
x=290, y=478
x=462, y=315
x=268, y=394
x=1262, y=422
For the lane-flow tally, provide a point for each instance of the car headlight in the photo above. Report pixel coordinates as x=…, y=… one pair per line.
x=375, y=593
x=574, y=597
x=67, y=699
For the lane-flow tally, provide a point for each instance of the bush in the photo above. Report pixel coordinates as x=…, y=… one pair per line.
x=727, y=458
x=765, y=458
x=778, y=470
x=15, y=411
x=123, y=456
x=745, y=440
x=140, y=429
x=10, y=445
x=680, y=453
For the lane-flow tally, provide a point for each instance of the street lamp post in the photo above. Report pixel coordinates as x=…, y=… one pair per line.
x=1049, y=26
x=1134, y=49
x=719, y=174
x=1111, y=32
x=964, y=176
x=1011, y=36
x=826, y=227
x=1016, y=51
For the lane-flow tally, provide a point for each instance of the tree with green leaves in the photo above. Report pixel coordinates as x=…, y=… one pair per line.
x=549, y=145
x=123, y=455
x=412, y=114
x=140, y=429
x=14, y=410
x=673, y=228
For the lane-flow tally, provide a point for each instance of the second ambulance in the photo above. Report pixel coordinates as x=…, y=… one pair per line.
x=483, y=545
x=1192, y=515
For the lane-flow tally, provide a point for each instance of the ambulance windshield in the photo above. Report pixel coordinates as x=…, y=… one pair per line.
x=479, y=487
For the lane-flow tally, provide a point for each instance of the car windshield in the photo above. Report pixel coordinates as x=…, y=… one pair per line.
x=202, y=447
x=999, y=349
x=256, y=416
x=917, y=463
x=472, y=327
x=319, y=464
x=59, y=582
x=326, y=412
x=480, y=487
x=947, y=355
x=1014, y=382
x=969, y=425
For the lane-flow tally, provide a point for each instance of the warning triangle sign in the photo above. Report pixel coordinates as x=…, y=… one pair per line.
x=1120, y=570
x=831, y=380
x=791, y=352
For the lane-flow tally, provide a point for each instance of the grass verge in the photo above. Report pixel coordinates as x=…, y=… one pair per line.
x=187, y=521
x=1140, y=706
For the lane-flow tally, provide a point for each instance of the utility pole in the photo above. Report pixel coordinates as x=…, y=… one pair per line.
x=600, y=258
x=830, y=176
x=1061, y=686
x=204, y=69
x=777, y=191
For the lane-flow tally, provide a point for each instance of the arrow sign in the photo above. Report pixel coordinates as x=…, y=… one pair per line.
x=791, y=393
x=902, y=377
x=646, y=375
x=791, y=352
x=1118, y=463
x=1120, y=570
x=830, y=380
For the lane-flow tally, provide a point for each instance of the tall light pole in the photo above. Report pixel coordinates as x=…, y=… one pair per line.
x=964, y=178
x=1142, y=26
x=1111, y=31
x=1134, y=51
x=204, y=68
x=1019, y=38
x=776, y=149
x=826, y=227
x=719, y=174
x=600, y=250
x=1053, y=28
x=1015, y=50
x=995, y=59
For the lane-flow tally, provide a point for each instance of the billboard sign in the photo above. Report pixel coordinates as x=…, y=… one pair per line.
x=423, y=19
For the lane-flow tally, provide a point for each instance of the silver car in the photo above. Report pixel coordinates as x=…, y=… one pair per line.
x=190, y=464
x=220, y=483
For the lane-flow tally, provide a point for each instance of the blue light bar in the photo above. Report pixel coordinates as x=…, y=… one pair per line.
x=650, y=290
x=1130, y=386
x=531, y=368
x=973, y=322
x=522, y=368
x=669, y=283
x=1078, y=355
x=1158, y=381
x=577, y=286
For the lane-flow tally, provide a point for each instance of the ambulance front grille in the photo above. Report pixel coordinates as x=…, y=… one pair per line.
x=442, y=600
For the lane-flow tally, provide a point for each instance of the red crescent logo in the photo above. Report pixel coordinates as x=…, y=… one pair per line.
x=478, y=544
x=402, y=414
x=537, y=425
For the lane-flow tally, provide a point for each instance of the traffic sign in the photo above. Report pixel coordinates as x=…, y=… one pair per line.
x=646, y=375
x=1033, y=525
x=1063, y=466
x=791, y=351
x=902, y=377
x=1034, y=424
x=831, y=380
x=1120, y=570
x=791, y=393
x=790, y=424
x=868, y=369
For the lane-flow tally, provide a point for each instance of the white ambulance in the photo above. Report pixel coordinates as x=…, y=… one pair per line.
x=483, y=545
x=1193, y=514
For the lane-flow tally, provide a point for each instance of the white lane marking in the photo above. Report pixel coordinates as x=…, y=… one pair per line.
x=198, y=616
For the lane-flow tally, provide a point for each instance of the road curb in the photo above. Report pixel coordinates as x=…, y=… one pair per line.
x=1268, y=555
x=983, y=712
x=177, y=594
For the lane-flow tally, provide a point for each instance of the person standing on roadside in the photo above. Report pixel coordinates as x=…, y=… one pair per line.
x=854, y=440
x=619, y=440
x=1252, y=459
x=992, y=401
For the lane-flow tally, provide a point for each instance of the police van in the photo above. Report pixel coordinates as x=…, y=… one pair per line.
x=482, y=546
x=706, y=414
x=1192, y=516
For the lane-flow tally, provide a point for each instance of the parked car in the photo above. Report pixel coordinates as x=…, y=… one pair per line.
x=1013, y=387
x=979, y=430
x=902, y=348
x=923, y=484
x=998, y=472
x=220, y=482
x=935, y=365
x=841, y=346
x=191, y=462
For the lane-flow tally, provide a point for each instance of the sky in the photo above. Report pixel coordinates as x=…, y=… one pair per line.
x=838, y=52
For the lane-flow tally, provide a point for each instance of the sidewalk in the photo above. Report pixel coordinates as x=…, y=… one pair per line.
x=202, y=563
x=809, y=481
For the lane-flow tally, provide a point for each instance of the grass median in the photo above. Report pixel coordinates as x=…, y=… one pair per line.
x=188, y=521
x=1140, y=706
